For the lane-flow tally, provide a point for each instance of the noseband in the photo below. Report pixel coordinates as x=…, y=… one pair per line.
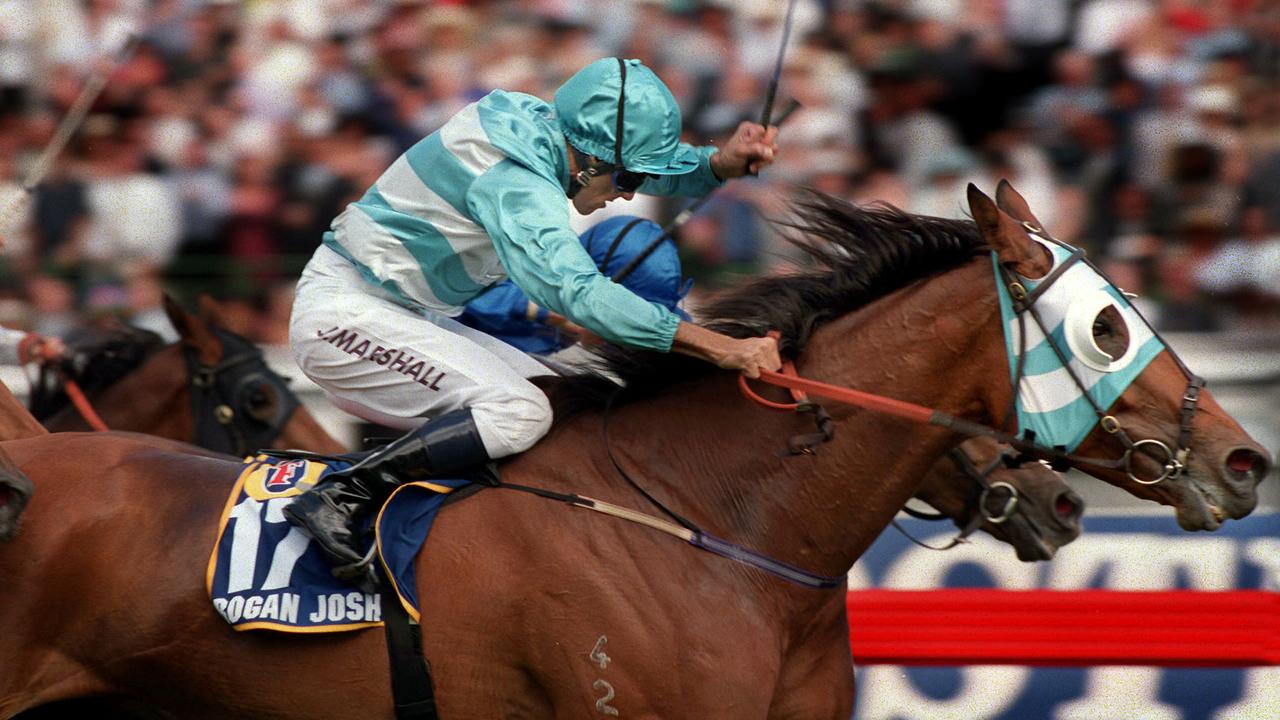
x=220, y=391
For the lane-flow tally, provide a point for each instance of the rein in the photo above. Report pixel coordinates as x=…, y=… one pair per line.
x=82, y=404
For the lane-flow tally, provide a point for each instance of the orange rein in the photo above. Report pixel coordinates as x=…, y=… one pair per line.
x=82, y=405
x=801, y=386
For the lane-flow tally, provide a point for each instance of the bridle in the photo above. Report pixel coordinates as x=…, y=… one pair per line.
x=1024, y=303
x=977, y=503
x=221, y=396
x=1174, y=462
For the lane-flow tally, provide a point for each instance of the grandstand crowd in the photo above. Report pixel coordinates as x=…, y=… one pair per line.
x=1147, y=131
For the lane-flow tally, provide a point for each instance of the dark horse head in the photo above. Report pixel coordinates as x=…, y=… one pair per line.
x=1028, y=506
x=213, y=388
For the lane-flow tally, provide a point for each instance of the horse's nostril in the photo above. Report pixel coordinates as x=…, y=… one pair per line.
x=1066, y=506
x=1244, y=461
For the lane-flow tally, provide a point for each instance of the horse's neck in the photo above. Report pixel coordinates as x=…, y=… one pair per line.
x=716, y=457
x=154, y=399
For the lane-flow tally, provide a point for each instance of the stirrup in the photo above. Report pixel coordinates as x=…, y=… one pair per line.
x=361, y=572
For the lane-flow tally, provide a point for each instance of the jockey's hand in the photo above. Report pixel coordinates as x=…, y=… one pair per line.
x=751, y=149
x=40, y=349
x=750, y=355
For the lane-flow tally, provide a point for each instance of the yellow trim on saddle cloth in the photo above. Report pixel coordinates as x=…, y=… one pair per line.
x=232, y=498
x=377, y=534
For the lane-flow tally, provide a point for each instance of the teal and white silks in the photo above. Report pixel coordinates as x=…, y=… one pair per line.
x=1049, y=402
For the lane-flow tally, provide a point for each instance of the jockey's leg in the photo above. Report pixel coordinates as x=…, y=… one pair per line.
x=384, y=362
x=333, y=511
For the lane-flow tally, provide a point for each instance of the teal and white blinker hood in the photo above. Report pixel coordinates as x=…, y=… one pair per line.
x=1052, y=408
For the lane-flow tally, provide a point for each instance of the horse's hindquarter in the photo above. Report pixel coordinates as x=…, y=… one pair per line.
x=103, y=591
x=535, y=609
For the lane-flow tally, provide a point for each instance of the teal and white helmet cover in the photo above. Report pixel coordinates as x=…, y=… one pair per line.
x=587, y=110
x=1049, y=403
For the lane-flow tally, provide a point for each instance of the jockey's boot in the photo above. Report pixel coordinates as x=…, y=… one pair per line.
x=333, y=511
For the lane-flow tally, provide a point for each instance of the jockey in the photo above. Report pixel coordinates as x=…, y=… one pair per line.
x=480, y=199
x=505, y=312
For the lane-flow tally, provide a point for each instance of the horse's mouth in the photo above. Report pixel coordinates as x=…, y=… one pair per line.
x=1029, y=541
x=1200, y=508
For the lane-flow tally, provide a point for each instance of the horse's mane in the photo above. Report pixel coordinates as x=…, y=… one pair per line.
x=95, y=361
x=856, y=255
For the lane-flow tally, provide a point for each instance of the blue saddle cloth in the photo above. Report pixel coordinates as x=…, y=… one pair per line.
x=267, y=574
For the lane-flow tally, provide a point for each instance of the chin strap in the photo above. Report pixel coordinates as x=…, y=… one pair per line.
x=590, y=169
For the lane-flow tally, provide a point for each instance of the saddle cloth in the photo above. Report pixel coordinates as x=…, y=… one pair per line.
x=265, y=574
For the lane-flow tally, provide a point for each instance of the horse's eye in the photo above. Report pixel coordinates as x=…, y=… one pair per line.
x=1110, y=333
x=1096, y=331
x=260, y=402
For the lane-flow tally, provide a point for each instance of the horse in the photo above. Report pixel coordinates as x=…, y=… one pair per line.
x=1030, y=507
x=212, y=388
x=537, y=610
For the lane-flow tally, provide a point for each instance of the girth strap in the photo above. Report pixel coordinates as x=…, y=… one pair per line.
x=411, y=688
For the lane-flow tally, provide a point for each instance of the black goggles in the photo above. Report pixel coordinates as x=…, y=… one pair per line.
x=628, y=181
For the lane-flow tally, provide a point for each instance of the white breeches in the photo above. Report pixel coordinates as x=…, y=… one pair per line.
x=399, y=367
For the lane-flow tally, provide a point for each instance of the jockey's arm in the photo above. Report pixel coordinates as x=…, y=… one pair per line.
x=18, y=347
x=527, y=218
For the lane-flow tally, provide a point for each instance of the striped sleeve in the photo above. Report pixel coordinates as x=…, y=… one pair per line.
x=528, y=220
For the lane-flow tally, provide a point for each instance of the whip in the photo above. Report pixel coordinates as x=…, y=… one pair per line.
x=70, y=123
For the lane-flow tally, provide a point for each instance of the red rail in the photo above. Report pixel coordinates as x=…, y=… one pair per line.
x=1065, y=628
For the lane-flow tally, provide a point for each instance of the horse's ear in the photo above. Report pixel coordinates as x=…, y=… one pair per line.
x=1012, y=202
x=194, y=331
x=210, y=309
x=1008, y=237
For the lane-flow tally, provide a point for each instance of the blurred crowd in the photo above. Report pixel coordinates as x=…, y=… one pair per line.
x=1147, y=131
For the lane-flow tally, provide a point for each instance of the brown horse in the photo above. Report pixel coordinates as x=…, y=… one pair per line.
x=536, y=610
x=1030, y=507
x=212, y=388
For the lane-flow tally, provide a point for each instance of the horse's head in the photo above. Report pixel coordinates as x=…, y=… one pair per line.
x=1030, y=507
x=239, y=403
x=15, y=492
x=94, y=361
x=1095, y=380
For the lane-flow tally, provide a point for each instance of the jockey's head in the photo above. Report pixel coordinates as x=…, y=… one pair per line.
x=613, y=243
x=621, y=120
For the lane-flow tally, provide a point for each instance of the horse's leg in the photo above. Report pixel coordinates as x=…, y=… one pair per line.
x=816, y=681
x=15, y=420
